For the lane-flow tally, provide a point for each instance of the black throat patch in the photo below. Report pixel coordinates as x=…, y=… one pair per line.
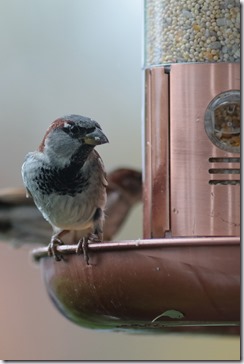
x=69, y=180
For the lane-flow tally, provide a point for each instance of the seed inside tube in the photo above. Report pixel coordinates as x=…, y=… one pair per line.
x=174, y=29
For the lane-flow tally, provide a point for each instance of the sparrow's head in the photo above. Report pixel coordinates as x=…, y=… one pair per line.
x=71, y=137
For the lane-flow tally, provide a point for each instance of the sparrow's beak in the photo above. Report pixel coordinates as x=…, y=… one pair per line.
x=95, y=138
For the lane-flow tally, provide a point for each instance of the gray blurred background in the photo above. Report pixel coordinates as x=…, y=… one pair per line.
x=84, y=57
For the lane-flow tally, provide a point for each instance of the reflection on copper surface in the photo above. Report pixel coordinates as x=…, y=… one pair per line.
x=147, y=175
x=149, y=278
x=199, y=207
x=192, y=188
x=156, y=188
x=160, y=153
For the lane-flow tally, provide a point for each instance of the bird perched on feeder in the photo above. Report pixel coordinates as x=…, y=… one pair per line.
x=22, y=223
x=67, y=180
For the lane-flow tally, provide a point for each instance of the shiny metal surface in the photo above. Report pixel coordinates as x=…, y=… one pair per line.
x=191, y=187
x=147, y=171
x=43, y=252
x=156, y=187
x=205, y=196
x=149, y=288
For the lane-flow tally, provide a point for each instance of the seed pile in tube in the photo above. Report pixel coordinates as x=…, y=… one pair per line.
x=192, y=31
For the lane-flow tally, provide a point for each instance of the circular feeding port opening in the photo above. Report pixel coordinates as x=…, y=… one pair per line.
x=222, y=121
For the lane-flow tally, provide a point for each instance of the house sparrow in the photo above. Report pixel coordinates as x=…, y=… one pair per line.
x=67, y=181
x=22, y=223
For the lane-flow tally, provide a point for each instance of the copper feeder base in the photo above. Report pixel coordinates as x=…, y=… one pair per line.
x=180, y=284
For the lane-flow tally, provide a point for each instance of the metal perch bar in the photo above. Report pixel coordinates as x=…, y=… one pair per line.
x=141, y=244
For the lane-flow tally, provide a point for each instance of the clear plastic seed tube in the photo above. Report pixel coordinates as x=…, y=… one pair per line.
x=192, y=31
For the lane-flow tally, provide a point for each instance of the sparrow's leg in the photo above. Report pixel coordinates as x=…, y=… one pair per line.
x=82, y=246
x=98, y=226
x=54, y=243
x=95, y=237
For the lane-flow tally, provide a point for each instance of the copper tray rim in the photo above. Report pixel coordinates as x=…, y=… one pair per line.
x=179, y=242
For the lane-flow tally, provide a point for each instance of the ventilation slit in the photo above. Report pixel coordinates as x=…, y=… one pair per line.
x=224, y=171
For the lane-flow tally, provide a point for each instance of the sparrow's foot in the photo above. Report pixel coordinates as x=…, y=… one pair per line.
x=52, y=248
x=82, y=247
x=95, y=238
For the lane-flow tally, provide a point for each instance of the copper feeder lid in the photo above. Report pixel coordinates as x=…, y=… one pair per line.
x=156, y=284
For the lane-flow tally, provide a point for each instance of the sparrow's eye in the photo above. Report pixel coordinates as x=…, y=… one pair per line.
x=75, y=130
x=72, y=129
x=90, y=130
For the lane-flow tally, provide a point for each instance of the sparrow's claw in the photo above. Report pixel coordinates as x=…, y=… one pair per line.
x=52, y=248
x=95, y=238
x=82, y=247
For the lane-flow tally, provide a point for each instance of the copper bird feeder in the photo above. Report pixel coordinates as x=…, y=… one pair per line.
x=185, y=272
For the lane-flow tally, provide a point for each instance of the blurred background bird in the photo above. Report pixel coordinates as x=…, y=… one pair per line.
x=22, y=223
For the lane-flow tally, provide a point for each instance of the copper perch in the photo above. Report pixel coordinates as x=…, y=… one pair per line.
x=154, y=284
